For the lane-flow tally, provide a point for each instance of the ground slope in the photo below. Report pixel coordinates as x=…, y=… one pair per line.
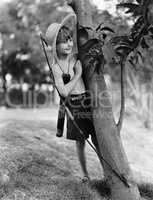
x=35, y=165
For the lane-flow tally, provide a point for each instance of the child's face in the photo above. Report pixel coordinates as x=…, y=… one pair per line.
x=65, y=47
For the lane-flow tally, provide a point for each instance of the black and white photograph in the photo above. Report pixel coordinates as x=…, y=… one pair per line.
x=76, y=100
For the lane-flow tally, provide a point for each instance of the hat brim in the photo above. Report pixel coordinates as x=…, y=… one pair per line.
x=67, y=21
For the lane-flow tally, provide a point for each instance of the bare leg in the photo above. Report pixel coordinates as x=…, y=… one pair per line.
x=81, y=155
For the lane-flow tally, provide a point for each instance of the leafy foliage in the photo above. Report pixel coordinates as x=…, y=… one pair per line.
x=142, y=28
x=20, y=24
x=140, y=8
x=99, y=32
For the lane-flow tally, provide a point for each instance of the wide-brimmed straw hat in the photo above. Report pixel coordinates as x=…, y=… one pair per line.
x=53, y=29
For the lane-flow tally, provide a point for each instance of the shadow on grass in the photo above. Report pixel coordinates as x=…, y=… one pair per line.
x=101, y=187
x=146, y=190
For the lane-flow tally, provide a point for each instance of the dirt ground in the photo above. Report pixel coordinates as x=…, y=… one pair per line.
x=36, y=165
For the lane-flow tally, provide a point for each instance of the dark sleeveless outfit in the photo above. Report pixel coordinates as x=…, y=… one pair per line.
x=80, y=107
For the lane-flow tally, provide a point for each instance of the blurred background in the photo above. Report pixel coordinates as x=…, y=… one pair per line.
x=35, y=164
x=24, y=75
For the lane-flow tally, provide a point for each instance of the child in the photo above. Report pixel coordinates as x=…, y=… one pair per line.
x=66, y=64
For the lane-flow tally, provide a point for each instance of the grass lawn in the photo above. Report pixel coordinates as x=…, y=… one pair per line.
x=36, y=165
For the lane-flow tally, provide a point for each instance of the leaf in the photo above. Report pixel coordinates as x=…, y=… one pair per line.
x=150, y=30
x=99, y=26
x=126, y=43
x=140, y=54
x=138, y=25
x=151, y=36
x=136, y=59
x=120, y=39
x=129, y=11
x=104, y=36
x=131, y=62
x=88, y=28
x=139, y=1
x=145, y=31
x=139, y=33
x=85, y=27
x=137, y=12
x=90, y=43
x=107, y=29
x=144, y=44
x=120, y=54
x=131, y=6
x=124, y=48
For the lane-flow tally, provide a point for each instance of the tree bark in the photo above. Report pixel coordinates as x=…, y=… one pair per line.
x=83, y=12
x=110, y=144
x=107, y=132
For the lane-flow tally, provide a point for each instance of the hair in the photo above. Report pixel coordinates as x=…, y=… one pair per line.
x=64, y=34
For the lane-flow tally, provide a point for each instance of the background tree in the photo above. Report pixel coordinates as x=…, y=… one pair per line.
x=131, y=46
x=20, y=25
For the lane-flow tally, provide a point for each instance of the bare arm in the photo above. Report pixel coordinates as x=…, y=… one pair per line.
x=65, y=89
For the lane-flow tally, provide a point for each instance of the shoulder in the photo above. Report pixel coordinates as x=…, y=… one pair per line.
x=75, y=59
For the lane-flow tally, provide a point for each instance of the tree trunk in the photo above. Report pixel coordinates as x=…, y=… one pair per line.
x=110, y=144
x=83, y=12
x=107, y=132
